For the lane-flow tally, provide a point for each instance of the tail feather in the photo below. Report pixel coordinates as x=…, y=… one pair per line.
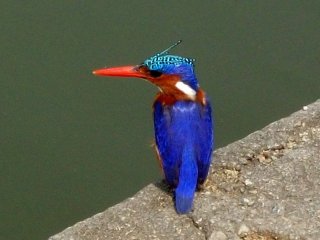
x=188, y=175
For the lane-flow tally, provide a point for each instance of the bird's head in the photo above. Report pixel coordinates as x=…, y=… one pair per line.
x=174, y=75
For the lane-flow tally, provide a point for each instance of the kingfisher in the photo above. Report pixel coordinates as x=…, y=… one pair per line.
x=183, y=122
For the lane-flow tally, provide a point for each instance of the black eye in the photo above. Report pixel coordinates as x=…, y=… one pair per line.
x=154, y=73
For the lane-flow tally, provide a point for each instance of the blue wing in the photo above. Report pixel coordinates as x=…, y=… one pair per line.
x=183, y=124
x=205, y=141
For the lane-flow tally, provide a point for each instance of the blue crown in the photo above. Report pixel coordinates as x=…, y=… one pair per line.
x=160, y=60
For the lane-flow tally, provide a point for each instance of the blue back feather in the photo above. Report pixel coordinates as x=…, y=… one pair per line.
x=184, y=139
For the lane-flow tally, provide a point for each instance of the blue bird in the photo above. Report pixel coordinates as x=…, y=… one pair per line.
x=183, y=122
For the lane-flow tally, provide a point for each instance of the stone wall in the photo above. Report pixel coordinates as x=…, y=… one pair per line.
x=265, y=186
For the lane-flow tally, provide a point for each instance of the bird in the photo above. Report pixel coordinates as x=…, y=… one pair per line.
x=183, y=122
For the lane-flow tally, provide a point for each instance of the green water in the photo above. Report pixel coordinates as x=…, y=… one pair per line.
x=72, y=144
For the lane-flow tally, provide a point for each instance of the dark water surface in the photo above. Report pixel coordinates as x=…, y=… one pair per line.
x=72, y=144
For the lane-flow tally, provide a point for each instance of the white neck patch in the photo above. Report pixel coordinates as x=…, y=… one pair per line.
x=186, y=89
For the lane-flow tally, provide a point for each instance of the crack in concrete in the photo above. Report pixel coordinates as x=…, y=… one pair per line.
x=197, y=226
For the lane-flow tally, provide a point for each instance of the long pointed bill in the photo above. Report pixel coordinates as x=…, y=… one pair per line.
x=124, y=71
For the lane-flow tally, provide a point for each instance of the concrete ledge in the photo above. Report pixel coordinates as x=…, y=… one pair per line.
x=265, y=186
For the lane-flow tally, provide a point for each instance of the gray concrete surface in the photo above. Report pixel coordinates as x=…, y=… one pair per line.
x=265, y=186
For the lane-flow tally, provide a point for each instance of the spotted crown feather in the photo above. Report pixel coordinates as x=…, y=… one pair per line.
x=160, y=59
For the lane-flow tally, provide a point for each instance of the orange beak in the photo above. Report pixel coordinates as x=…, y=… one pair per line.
x=124, y=71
